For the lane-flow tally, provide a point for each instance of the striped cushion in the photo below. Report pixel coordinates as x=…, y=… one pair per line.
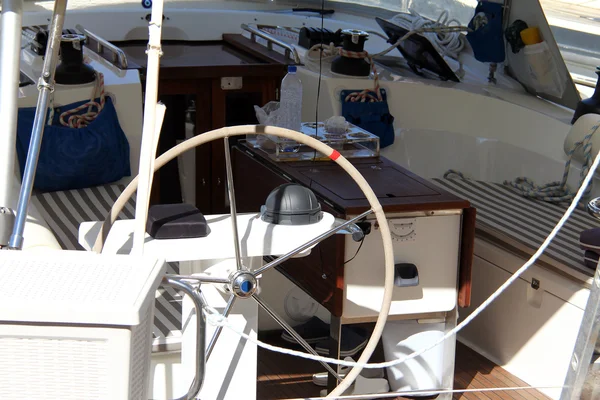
x=64, y=211
x=525, y=223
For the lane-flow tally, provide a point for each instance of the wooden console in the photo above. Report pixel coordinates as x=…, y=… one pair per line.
x=321, y=274
x=207, y=85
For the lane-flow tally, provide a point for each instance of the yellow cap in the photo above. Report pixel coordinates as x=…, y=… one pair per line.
x=531, y=35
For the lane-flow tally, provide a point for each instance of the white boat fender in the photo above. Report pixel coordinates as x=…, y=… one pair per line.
x=582, y=127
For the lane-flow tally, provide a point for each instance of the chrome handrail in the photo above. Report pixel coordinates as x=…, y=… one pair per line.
x=176, y=282
x=290, y=51
x=286, y=28
x=117, y=54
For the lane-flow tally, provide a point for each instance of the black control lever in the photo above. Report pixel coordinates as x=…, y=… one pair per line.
x=358, y=231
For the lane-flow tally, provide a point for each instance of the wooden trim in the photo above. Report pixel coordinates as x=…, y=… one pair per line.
x=467, y=250
x=337, y=308
x=217, y=164
x=205, y=59
x=439, y=199
x=217, y=71
x=257, y=50
x=183, y=87
x=266, y=88
x=203, y=101
x=308, y=273
x=321, y=273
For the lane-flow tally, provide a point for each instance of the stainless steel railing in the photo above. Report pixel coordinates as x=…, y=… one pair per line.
x=290, y=51
x=119, y=58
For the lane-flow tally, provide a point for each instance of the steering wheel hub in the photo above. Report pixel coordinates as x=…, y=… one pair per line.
x=243, y=284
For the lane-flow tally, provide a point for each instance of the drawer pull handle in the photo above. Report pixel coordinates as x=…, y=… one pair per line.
x=406, y=275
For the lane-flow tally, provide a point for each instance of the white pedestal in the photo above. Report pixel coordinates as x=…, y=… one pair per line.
x=231, y=369
x=257, y=238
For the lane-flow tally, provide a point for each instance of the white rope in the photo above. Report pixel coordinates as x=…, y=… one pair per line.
x=330, y=53
x=76, y=120
x=445, y=37
x=215, y=319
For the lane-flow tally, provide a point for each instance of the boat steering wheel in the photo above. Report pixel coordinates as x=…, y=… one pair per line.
x=242, y=283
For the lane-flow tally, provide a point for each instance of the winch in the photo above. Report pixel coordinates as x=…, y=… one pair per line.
x=72, y=70
x=352, y=57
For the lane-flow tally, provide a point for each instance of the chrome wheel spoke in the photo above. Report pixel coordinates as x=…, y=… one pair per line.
x=219, y=329
x=310, y=243
x=293, y=333
x=202, y=278
x=233, y=211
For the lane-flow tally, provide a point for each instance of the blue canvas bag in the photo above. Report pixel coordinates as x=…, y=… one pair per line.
x=75, y=158
x=372, y=116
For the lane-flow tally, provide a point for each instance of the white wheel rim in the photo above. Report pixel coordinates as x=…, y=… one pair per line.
x=335, y=156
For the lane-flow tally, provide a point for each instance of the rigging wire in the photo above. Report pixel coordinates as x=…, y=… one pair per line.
x=320, y=75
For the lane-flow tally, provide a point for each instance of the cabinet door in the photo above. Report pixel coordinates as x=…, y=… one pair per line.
x=230, y=108
x=203, y=179
x=173, y=130
x=188, y=114
x=321, y=273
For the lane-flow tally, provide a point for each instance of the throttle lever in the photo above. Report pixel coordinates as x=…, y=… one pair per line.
x=358, y=231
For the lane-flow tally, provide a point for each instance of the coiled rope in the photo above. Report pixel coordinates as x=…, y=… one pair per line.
x=446, y=38
x=81, y=120
x=365, y=95
x=557, y=191
x=76, y=120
